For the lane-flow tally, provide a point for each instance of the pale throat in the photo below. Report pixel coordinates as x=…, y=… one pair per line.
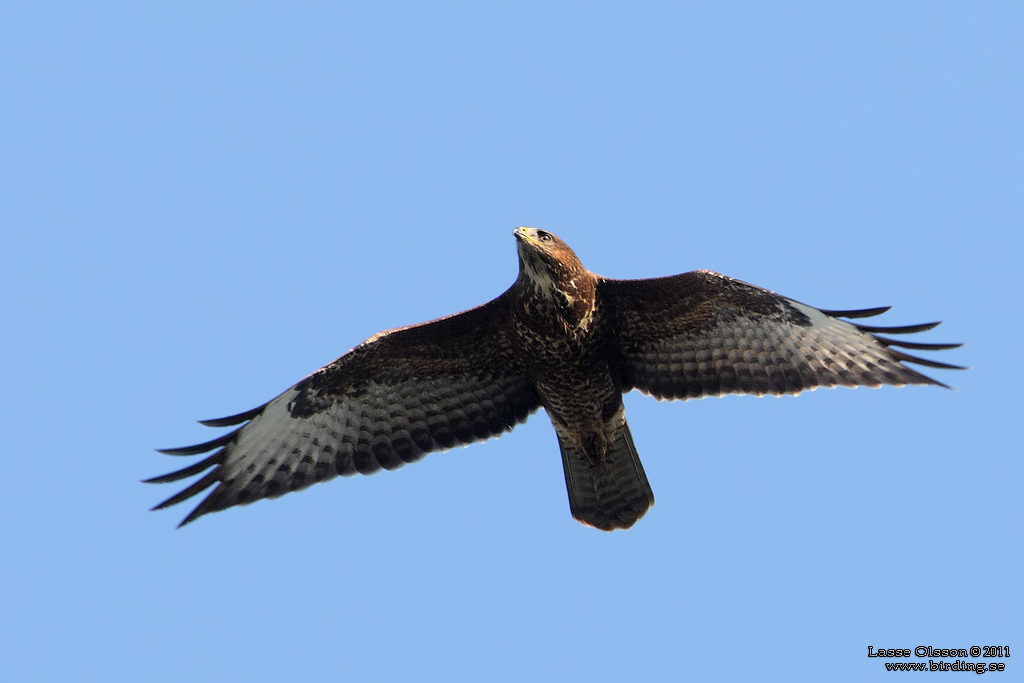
x=563, y=295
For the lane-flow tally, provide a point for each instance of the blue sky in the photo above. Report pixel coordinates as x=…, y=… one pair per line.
x=203, y=203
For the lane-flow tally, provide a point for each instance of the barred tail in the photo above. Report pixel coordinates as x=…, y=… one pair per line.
x=607, y=490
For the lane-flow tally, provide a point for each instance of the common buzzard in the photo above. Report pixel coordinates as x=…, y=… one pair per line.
x=561, y=338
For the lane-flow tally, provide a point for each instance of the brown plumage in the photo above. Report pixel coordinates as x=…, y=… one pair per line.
x=563, y=338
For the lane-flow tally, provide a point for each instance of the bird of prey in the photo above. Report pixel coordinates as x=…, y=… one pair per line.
x=561, y=338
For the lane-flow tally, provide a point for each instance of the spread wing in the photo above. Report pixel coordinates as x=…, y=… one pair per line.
x=387, y=402
x=704, y=334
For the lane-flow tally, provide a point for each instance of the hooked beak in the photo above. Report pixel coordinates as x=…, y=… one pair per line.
x=523, y=234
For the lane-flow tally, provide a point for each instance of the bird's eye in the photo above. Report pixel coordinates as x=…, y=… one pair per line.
x=543, y=236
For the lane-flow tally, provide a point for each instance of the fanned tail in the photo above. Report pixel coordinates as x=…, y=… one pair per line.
x=607, y=490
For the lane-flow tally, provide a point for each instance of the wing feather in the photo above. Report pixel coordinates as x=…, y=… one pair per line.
x=703, y=334
x=389, y=401
x=919, y=346
x=898, y=329
x=232, y=419
x=206, y=447
x=187, y=472
x=858, y=312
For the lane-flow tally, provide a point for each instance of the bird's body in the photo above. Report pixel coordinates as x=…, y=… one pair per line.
x=561, y=338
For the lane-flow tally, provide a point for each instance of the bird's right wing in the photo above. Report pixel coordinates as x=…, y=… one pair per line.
x=387, y=402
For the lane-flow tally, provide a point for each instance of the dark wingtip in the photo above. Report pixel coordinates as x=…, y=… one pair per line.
x=858, y=312
x=206, y=447
x=907, y=358
x=211, y=477
x=921, y=378
x=919, y=346
x=206, y=482
x=899, y=329
x=186, y=472
x=232, y=420
x=192, y=516
x=207, y=505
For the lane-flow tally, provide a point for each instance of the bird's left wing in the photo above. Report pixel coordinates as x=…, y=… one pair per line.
x=704, y=334
x=387, y=402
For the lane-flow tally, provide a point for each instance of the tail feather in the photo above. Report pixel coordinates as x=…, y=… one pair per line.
x=606, y=490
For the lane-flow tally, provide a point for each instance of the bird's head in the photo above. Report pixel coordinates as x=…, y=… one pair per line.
x=544, y=259
x=552, y=271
